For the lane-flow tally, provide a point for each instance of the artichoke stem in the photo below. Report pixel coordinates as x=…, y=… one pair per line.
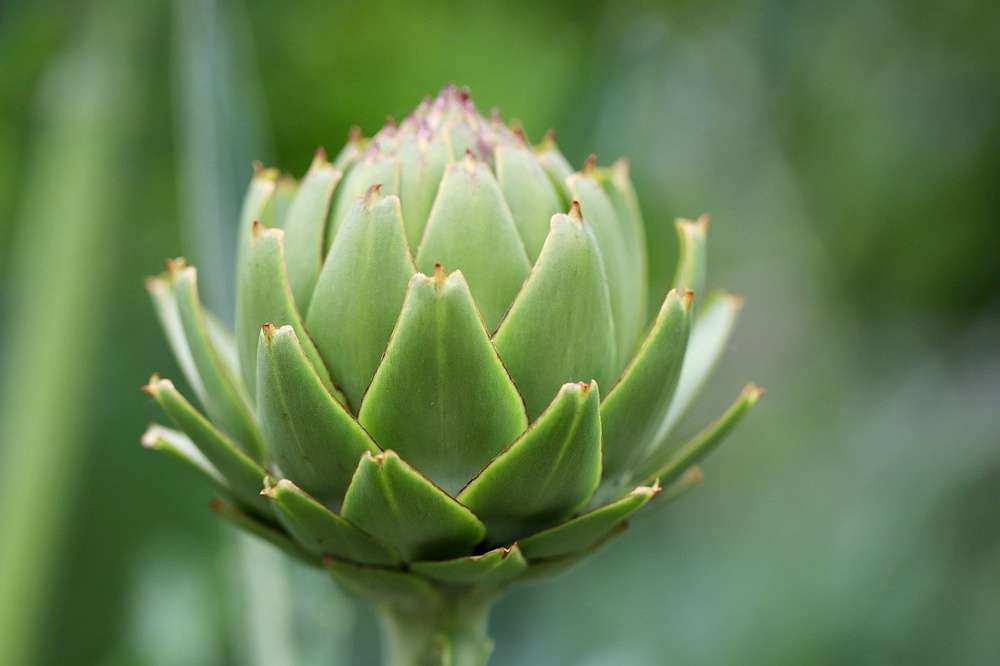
x=451, y=632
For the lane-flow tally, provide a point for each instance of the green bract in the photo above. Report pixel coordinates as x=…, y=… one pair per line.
x=442, y=375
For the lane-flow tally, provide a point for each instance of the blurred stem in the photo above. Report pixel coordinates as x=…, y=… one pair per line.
x=59, y=281
x=449, y=633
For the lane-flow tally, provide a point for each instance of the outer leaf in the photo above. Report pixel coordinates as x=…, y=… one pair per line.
x=323, y=532
x=494, y=568
x=560, y=327
x=371, y=169
x=580, y=534
x=529, y=192
x=441, y=396
x=264, y=297
x=276, y=211
x=393, y=502
x=670, y=464
x=600, y=215
x=260, y=529
x=225, y=398
x=180, y=446
x=243, y=476
x=305, y=226
x=470, y=228
x=224, y=341
x=422, y=158
x=633, y=409
x=169, y=314
x=547, y=474
x=709, y=339
x=555, y=165
x=255, y=204
x=312, y=437
x=618, y=186
x=360, y=292
x=692, y=241
x=383, y=586
x=546, y=568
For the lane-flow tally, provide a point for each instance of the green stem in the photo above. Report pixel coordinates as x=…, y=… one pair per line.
x=451, y=632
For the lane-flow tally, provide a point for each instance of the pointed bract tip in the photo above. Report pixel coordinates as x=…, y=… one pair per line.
x=257, y=229
x=175, y=266
x=261, y=172
x=372, y=194
x=149, y=439
x=575, y=212
x=703, y=220
x=549, y=140
x=589, y=165
x=439, y=276
x=354, y=134
x=268, y=330
x=754, y=392
x=319, y=158
x=687, y=298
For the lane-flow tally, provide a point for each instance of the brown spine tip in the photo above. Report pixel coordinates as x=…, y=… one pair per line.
x=148, y=388
x=175, y=266
x=439, y=276
x=756, y=392
x=268, y=330
x=319, y=158
x=372, y=193
x=354, y=134
x=588, y=166
x=549, y=140
x=257, y=229
x=258, y=168
x=703, y=220
x=575, y=212
x=390, y=122
x=687, y=298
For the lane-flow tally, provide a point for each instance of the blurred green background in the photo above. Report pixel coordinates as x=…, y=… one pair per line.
x=849, y=154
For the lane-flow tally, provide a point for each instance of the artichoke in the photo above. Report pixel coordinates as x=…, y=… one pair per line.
x=442, y=375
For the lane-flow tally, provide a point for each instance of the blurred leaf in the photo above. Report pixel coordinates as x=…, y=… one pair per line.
x=59, y=285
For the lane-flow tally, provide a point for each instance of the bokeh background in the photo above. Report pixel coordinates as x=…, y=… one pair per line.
x=848, y=152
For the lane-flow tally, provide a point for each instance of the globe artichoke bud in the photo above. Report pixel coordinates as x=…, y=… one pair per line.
x=442, y=378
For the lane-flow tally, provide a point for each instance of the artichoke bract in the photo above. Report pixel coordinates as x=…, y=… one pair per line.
x=442, y=377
